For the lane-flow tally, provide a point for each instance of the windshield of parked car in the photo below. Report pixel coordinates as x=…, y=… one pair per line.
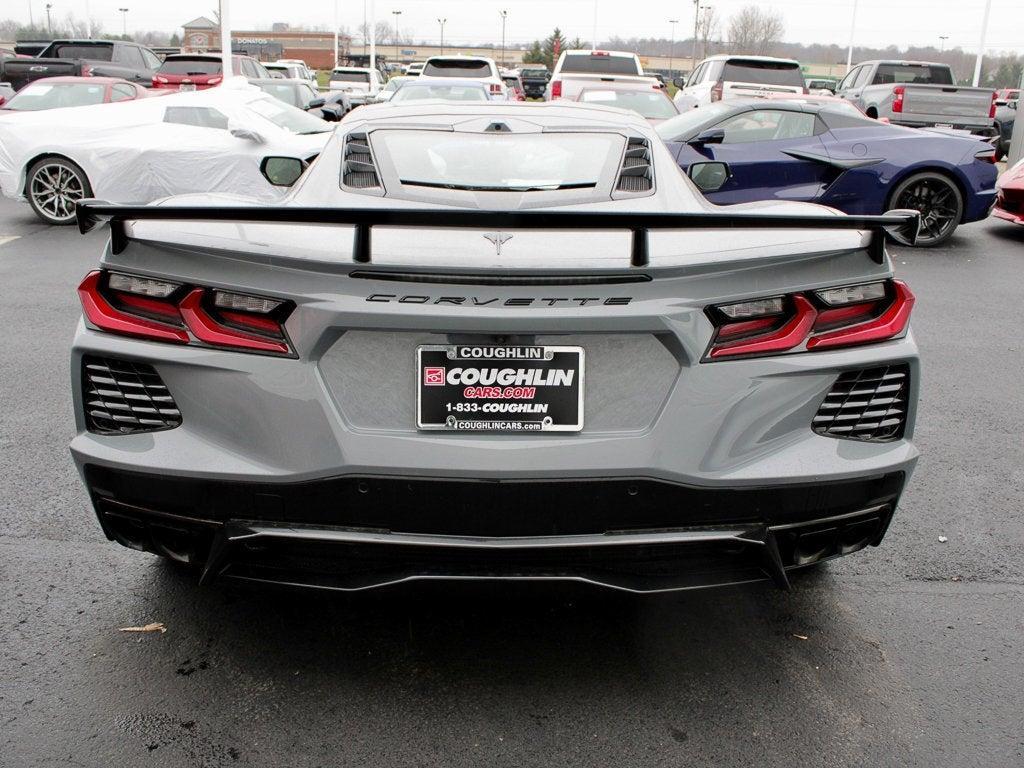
x=686, y=123
x=599, y=64
x=763, y=72
x=912, y=73
x=190, y=67
x=535, y=73
x=287, y=117
x=457, y=68
x=653, y=105
x=423, y=91
x=348, y=76
x=36, y=96
x=494, y=162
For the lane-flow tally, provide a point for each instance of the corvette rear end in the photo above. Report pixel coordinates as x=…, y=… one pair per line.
x=566, y=366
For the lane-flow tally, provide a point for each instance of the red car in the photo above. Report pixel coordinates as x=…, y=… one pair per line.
x=197, y=71
x=57, y=92
x=1010, y=196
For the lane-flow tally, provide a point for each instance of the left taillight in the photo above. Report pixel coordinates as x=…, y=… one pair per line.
x=159, y=310
x=815, y=320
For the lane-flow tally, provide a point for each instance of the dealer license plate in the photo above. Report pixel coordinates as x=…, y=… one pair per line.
x=491, y=388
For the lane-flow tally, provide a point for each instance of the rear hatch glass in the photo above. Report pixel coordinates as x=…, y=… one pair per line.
x=98, y=52
x=600, y=64
x=497, y=163
x=190, y=67
x=912, y=73
x=56, y=95
x=455, y=68
x=763, y=72
x=351, y=77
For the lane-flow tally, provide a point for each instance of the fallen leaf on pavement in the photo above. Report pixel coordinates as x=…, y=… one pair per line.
x=156, y=626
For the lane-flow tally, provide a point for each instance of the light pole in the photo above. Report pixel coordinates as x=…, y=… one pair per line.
x=693, y=49
x=504, y=18
x=942, y=42
x=672, y=46
x=442, y=22
x=853, y=26
x=335, y=34
x=124, y=21
x=396, y=14
x=49, y=26
x=981, y=44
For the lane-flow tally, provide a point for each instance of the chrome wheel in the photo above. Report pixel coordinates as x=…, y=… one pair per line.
x=54, y=188
x=938, y=200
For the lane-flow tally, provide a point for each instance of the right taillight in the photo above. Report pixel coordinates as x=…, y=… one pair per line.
x=716, y=91
x=897, y=98
x=827, y=318
x=159, y=310
x=556, y=89
x=992, y=106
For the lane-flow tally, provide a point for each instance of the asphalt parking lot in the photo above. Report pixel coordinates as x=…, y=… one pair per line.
x=909, y=654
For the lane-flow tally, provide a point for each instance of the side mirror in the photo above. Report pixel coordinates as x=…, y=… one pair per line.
x=282, y=171
x=710, y=136
x=678, y=82
x=316, y=103
x=241, y=132
x=332, y=113
x=709, y=177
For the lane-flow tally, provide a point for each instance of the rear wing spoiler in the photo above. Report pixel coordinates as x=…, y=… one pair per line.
x=92, y=213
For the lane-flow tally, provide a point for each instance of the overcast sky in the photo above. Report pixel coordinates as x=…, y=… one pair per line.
x=879, y=22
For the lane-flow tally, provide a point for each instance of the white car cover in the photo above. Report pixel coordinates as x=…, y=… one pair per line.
x=134, y=152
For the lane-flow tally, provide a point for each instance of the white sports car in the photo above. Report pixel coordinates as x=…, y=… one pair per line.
x=140, y=151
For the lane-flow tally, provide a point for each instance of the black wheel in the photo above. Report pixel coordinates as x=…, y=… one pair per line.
x=54, y=186
x=938, y=199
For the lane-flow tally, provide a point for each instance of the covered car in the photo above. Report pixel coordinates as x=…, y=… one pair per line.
x=143, y=150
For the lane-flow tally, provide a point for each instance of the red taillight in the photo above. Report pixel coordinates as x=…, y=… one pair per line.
x=159, y=80
x=101, y=312
x=897, y=98
x=992, y=106
x=816, y=320
x=87, y=70
x=986, y=156
x=556, y=89
x=495, y=89
x=806, y=91
x=214, y=80
x=716, y=92
x=892, y=322
x=162, y=311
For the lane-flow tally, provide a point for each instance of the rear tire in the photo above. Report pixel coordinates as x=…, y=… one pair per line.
x=53, y=186
x=938, y=199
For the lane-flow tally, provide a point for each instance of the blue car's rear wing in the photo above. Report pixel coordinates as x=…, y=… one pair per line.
x=91, y=213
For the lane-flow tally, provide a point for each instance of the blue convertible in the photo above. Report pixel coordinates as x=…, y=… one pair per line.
x=739, y=151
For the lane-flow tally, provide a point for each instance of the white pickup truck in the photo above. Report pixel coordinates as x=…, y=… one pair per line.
x=577, y=70
x=919, y=94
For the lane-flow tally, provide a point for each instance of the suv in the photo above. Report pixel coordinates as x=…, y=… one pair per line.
x=197, y=71
x=730, y=77
x=469, y=68
x=360, y=83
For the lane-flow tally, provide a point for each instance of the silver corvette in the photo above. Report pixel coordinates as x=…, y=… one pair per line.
x=494, y=342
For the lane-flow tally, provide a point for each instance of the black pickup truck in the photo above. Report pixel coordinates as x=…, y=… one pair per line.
x=97, y=58
x=535, y=80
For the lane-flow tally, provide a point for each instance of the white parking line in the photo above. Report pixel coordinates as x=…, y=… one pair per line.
x=5, y=239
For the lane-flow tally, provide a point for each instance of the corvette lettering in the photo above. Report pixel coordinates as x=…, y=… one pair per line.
x=482, y=301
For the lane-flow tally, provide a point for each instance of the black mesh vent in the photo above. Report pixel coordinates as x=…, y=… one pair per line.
x=359, y=171
x=635, y=175
x=869, y=404
x=122, y=397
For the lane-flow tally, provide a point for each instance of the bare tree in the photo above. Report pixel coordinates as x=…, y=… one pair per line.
x=708, y=28
x=382, y=32
x=755, y=31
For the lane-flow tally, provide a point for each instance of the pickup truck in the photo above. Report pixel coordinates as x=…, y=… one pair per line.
x=577, y=70
x=919, y=94
x=99, y=58
x=535, y=80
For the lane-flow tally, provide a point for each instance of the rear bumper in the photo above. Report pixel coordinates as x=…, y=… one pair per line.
x=354, y=533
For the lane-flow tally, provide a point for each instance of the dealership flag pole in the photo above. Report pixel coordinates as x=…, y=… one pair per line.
x=373, y=35
x=853, y=27
x=225, y=38
x=981, y=45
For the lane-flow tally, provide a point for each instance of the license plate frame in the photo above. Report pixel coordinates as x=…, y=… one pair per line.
x=538, y=394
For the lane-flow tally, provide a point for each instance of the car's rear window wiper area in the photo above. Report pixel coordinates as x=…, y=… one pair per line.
x=495, y=188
